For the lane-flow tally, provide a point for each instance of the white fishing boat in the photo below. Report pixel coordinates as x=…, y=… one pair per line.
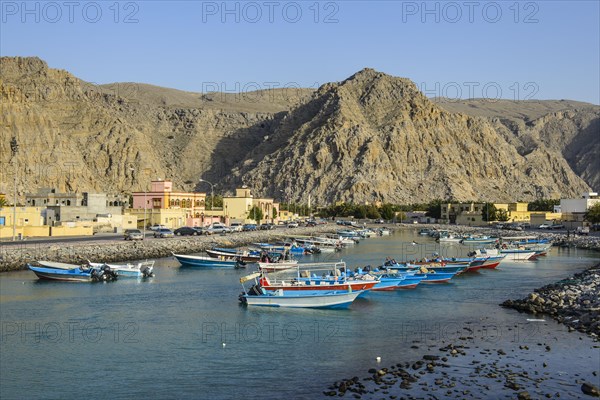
x=510, y=254
x=277, y=266
x=143, y=269
x=257, y=296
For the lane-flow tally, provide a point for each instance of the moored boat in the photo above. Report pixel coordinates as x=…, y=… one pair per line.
x=233, y=254
x=143, y=269
x=77, y=274
x=204, y=262
x=258, y=296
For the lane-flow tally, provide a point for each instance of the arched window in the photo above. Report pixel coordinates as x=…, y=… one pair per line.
x=68, y=202
x=177, y=202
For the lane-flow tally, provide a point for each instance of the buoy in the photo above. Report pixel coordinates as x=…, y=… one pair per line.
x=378, y=359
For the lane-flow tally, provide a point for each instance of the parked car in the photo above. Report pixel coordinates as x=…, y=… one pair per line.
x=544, y=226
x=133, y=234
x=217, y=227
x=266, y=227
x=292, y=224
x=163, y=233
x=381, y=221
x=311, y=223
x=156, y=227
x=236, y=226
x=557, y=226
x=583, y=230
x=188, y=231
x=249, y=227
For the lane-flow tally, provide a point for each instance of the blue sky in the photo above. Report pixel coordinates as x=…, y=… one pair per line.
x=508, y=49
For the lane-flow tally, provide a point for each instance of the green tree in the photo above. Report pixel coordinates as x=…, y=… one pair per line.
x=543, y=205
x=488, y=212
x=387, y=211
x=256, y=214
x=373, y=212
x=3, y=202
x=434, y=209
x=216, y=202
x=360, y=211
x=275, y=213
x=502, y=215
x=593, y=214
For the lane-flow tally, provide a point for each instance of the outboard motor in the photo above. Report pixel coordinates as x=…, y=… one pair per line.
x=108, y=273
x=147, y=272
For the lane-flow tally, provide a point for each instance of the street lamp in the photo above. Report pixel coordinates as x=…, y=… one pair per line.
x=145, y=205
x=212, y=193
x=14, y=147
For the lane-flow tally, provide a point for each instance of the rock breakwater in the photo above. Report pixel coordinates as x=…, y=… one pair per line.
x=16, y=257
x=574, y=301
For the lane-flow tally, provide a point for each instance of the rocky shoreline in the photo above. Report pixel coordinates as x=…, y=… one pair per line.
x=465, y=369
x=557, y=238
x=16, y=257
x=574, y=301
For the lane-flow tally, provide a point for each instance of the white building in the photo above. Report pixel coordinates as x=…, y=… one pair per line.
x=574, y=209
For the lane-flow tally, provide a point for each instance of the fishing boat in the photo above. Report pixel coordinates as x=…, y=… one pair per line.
x=205, y=262
x=425, y=232
x=143, y=269
x=349, y=233
x=305, y=278
x=383, y=231
x=388, y=282
x=511, y=254
x=410, y=281
x=258, y=296
x=325, y=244
x=234, y=254
x=77, y=274
x=430, y=275
x=450, y=239
x=277, y=265
x=478, y=240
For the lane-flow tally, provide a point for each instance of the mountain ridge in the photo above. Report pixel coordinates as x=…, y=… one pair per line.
x=369, y=137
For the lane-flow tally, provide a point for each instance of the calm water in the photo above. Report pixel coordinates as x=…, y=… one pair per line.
x=163, y=338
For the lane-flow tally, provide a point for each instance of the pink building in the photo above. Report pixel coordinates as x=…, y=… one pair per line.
x=162, y=197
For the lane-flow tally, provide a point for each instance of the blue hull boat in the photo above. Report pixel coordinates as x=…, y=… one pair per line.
x=77, y=274
x=204, y=262
x=387, y=283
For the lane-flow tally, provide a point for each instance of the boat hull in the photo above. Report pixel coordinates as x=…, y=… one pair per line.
x=57, y=274
x=204, y=262
x=323, y=285
x=388, y=284
x=220, y=254
x=324, y=300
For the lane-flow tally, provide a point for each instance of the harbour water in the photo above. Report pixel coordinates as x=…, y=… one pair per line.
x=183, y=333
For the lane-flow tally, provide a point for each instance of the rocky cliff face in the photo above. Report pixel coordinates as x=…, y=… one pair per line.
x=370, y=137
x=375, y=137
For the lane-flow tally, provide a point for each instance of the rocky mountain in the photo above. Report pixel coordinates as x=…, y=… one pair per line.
x=370, y=137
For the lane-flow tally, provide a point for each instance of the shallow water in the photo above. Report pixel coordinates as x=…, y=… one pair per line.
x=183, y=333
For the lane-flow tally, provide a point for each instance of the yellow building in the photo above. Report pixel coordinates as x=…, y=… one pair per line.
x=29, y=220
x=237, y=208
x=471, y=213
x=517, y=212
